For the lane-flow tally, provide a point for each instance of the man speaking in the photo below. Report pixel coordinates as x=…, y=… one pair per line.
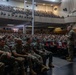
x=70, y=42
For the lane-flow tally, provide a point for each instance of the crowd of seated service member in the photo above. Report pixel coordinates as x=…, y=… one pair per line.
x=21, y=48
x=43, y=37
x=27, y=11
x=12, y=42
x=9, y=60
x=54, y=43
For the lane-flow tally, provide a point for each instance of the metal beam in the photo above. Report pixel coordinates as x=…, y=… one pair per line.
x=32, y=17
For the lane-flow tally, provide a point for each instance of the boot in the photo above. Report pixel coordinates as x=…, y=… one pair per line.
x=33, y=72
x=44, y=68
x=51, y=65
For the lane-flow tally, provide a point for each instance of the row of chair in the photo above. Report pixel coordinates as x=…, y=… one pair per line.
x=18, y=10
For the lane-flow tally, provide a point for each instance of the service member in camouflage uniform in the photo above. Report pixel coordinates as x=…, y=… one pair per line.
x=39, y=49
x=17, y=51
x=28, y=49
x=2, y=68
x=6, y=56
x=70, y=42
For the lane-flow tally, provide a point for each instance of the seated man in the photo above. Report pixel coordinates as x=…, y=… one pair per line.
x=17, y=51
x=2, y=68
x=28, y=50
x=7, y=58
x=39, y=49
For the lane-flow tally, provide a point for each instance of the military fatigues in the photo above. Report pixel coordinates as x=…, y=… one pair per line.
x=2, y=68
x=8, y=61
x=29, y=58
x=70, y=43
x=18, y=49
x=35, y=57
x=39, y=49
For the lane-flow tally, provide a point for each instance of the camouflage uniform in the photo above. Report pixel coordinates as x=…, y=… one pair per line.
x=8, y=60
x=2, y=68
x=70, y=43
x=35, y=57
x=30, y=56
x=39, y=49
x=18, y=49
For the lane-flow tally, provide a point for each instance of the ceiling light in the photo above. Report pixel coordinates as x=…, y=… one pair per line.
x=53, y=0
x=30, y=26
x=52, y=5
x=57, y=29
x=43, y=3
x=25, y=1
x=3, y=0
x=15, y=29
x=10, y=25
x=50, y=27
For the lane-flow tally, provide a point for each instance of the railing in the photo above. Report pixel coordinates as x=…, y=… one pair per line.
x=23, y=17
x=9, y=15
x=71, y=19
x=49, y=20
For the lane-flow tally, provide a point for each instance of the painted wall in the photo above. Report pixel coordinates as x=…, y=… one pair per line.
x=69, y=4
x=63, y=5
x=44, y=8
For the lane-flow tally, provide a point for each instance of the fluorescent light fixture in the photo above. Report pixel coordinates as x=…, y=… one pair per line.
x=15, y=29
x=29, y=26
x=3, y=0
x=43, y=3
x=50, y=27
x=10, y=25
x=25, y=1
x=52, y=5
x=53, y=0
x=19, y=26
x=57, y=29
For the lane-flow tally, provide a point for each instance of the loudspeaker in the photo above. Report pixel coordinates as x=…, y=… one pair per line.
x=65, y=9
x=36, y=5
x=55, y=8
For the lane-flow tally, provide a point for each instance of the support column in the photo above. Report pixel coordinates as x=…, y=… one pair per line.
x=71, y=5
x=24, y=29
x=25, y=5
x=24, y=26
x=32, y=17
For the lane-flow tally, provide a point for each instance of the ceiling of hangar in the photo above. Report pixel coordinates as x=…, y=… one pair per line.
x=42, y=1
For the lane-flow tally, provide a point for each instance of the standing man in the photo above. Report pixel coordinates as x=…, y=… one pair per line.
x=37, y=59
x=70, y=42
